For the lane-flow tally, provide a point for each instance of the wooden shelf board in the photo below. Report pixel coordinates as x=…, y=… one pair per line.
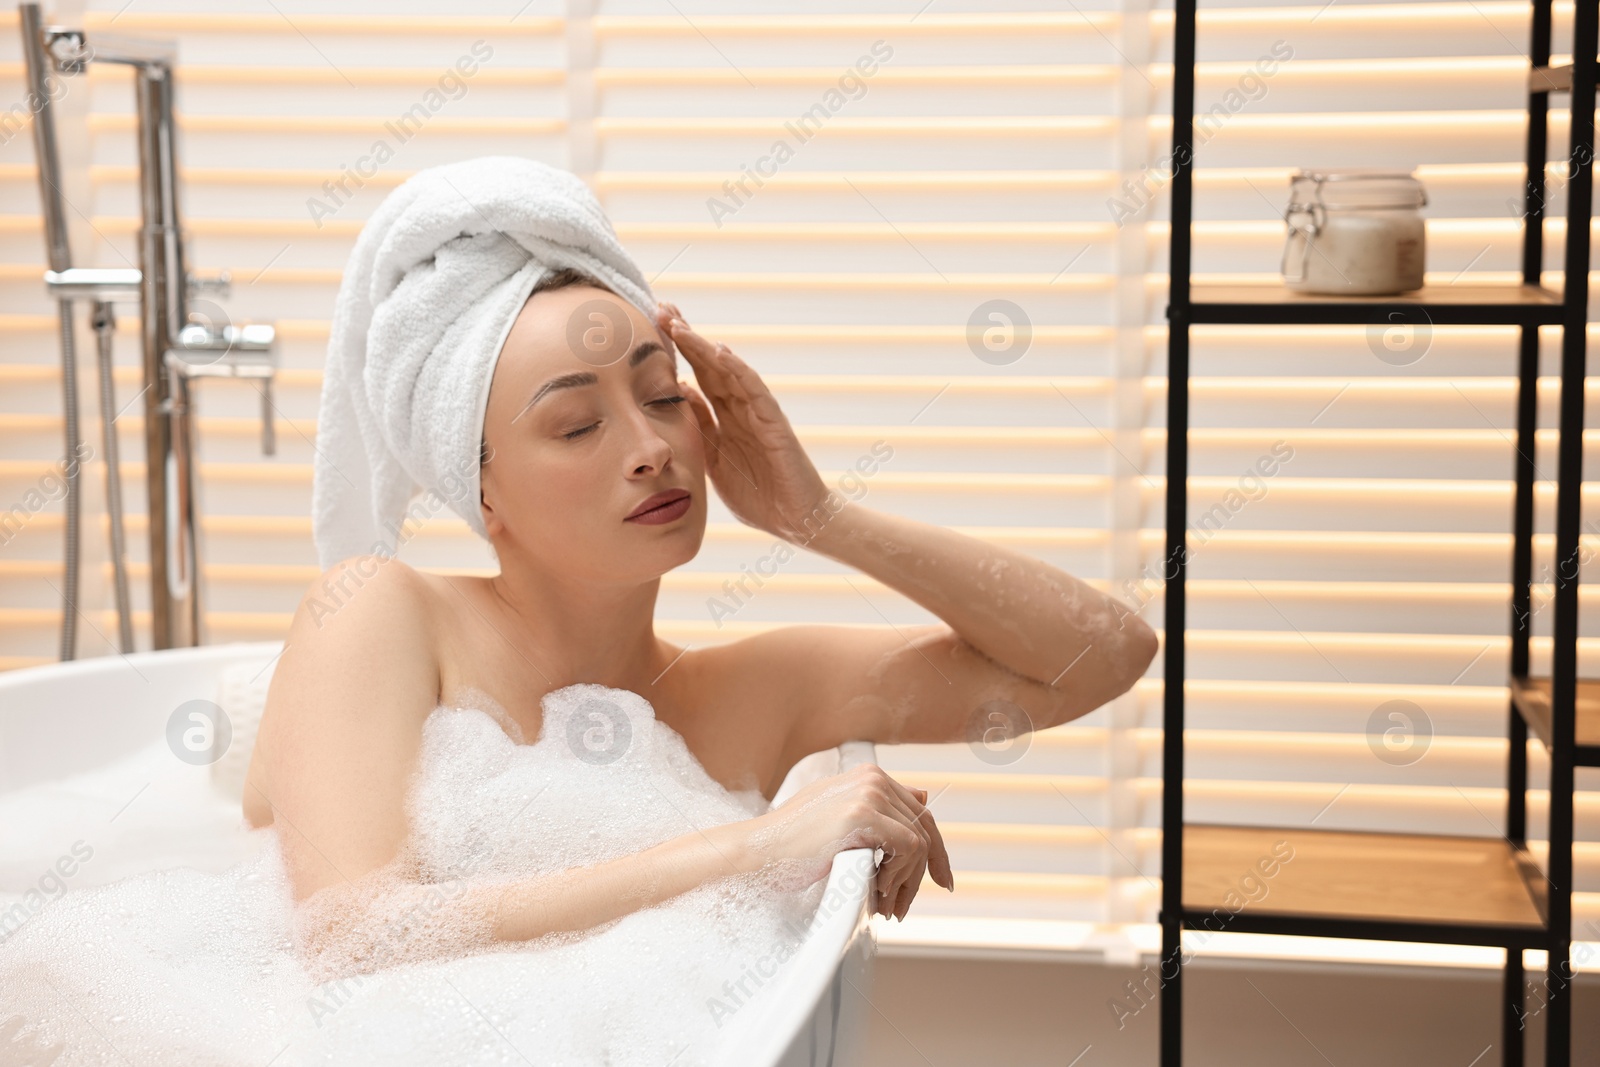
x=1430, y=879
x=1442, y=304
x=1532, y=699
x=1556, y=78
x=1526, y=295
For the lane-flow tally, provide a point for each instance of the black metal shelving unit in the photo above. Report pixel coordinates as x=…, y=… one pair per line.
x=1390, y=886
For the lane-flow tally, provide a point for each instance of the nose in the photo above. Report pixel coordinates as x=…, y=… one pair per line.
x=649, y=451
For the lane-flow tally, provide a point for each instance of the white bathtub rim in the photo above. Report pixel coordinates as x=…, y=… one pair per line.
x=161, y=659
x=766, y=1035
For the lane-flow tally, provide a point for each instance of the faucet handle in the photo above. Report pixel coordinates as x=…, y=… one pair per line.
x=248, y=351
x=69, y=52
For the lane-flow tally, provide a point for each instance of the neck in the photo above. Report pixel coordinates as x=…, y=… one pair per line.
x=572, y=629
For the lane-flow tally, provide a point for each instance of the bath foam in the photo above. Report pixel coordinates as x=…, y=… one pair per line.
x=181, y=966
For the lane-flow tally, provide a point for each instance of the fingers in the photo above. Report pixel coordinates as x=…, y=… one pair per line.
x=938, y=855
x=932, y=856
x=663, y=321
x=709, y=371
x=900, y=877
x=900, y=897
x=726, y=379
x=725, y=376
x=702, y=355
x=901, y=846
x=906, y=854
x=908, y=889
x=907, y=879
x=902, y=842
x=938, y=859
x=895, y=818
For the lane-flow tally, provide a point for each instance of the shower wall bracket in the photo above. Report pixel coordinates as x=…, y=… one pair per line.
x=176, y=351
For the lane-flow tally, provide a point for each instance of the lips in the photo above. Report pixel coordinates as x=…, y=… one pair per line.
x=664, y=506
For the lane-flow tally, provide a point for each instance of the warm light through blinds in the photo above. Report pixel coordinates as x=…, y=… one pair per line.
x=840, y=197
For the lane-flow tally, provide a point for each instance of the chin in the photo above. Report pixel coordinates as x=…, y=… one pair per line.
x=676, y=545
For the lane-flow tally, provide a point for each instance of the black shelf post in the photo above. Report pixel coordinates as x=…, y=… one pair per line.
x=1176, y=560
x=1513, y=995
x=1569, y=514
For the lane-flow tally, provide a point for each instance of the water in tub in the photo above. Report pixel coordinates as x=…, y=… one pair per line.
x=206, y=960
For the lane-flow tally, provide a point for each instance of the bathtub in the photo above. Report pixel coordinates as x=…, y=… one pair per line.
x=98, y=715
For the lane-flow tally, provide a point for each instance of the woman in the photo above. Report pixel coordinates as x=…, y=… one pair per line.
x=593, y=487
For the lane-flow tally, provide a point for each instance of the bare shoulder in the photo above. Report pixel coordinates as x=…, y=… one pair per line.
x=358, y=674
x=392, y=584
x=364, y=614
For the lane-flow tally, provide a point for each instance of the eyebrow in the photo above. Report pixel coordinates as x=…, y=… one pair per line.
x=641, y=352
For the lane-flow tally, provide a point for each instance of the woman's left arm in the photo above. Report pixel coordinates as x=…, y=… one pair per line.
x=1021, y=639
x=1080, y=646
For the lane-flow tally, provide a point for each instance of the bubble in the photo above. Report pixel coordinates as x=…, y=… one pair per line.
x=393, y=966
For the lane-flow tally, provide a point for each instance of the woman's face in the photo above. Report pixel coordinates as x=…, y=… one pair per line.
x=586, y=421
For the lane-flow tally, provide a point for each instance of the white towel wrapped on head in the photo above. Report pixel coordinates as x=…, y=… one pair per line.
x=436, y=279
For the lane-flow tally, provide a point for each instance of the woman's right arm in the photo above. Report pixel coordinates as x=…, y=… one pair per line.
x=340, y=737
x=342, y=727
x=862, y=808
x=384, y=920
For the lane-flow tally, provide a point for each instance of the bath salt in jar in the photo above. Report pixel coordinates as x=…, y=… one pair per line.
x=1354, y=231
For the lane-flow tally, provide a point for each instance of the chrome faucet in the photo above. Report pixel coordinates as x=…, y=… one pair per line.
x=176, y=350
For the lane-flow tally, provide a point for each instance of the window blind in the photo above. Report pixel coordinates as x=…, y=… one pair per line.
x=943, y=229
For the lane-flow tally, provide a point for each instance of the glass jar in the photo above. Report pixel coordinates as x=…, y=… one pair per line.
x=1354, y=231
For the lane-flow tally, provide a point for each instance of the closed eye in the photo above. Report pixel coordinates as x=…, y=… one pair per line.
x=572, y=434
